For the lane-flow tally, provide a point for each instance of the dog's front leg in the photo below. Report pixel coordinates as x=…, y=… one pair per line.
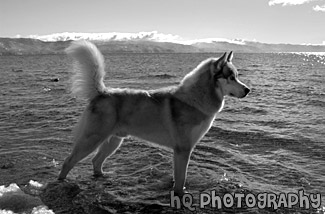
x=181, y=159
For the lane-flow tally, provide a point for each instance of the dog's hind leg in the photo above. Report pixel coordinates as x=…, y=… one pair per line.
x=91, y=131
x=81, y=149
x=181, y=159
x=105, y=150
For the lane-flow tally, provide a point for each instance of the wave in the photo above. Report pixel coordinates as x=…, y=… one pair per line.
x=243, y=69
x=161, y=76
x=247, y=110
x=318, y=103
x=273, y=123
x=284, y=66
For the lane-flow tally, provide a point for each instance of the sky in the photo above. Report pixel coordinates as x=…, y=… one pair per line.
x=269, y=21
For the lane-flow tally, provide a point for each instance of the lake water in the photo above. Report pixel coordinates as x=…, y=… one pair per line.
x=272, y=140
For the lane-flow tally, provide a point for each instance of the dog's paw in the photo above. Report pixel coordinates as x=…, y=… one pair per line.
x=98, y=175
x=61, y=178
x=101, y=174
x=180, y=192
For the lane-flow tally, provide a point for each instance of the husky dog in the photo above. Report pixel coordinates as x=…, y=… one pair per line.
x=175, y=117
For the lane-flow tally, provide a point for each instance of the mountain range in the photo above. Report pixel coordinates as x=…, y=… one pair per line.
x=143, y=42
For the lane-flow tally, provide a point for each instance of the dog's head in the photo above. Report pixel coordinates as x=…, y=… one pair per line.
x=225, y=77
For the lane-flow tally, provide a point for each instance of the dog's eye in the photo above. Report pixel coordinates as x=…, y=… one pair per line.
x=232, y=78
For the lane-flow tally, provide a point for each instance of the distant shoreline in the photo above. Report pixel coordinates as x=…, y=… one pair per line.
x=27, y=46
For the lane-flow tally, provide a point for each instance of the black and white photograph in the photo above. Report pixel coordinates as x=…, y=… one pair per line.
x=162, y=106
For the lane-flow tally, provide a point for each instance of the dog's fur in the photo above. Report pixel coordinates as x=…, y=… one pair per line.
x=176, y=117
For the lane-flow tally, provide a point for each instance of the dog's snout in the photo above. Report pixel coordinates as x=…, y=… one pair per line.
x=247, y=90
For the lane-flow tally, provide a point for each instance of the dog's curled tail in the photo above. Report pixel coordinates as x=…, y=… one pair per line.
x=88, y=68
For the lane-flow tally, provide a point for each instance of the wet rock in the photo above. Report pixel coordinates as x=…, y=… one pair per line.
x=7, y=165
x=58, y=196
x=14, y=199
x=55, y=80
x=66, y=197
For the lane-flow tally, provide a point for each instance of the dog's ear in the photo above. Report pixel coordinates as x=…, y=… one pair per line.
x=220, y=62
x=230, y=56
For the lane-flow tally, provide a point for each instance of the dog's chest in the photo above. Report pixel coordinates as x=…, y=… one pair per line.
x=199, y=130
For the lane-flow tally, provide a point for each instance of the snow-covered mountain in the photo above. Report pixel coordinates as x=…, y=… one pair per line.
x=153, y=36
x=142, y=42
x=141, y=36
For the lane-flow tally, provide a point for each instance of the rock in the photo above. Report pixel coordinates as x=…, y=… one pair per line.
x=59, y=195
x=55, y=80
x=14, y=199
x=17, y=70
x=7, y=165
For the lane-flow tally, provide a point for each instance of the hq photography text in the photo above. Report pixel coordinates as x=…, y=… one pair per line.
x=247, y=200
